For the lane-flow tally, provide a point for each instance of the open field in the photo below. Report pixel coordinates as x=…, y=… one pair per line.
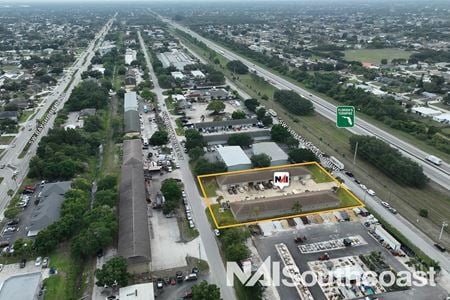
x=375, y=56
x=61, y=285
x=5, y=140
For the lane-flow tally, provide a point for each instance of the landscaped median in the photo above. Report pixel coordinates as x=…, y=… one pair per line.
x=250, y=196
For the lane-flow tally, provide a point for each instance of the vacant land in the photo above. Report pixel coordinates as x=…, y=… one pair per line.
x=318, y=175
x=5, y=140
x=61, y=285
x=375, y=56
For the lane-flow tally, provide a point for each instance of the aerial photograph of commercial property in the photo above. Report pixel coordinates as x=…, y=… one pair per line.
x=224, y=150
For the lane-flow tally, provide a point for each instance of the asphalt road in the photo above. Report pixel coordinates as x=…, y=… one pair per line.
x=207, y=236
x=409, y=230
x=10, y=158
x=439, y=174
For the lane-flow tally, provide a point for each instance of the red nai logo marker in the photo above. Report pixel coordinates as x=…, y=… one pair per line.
x=281, y=179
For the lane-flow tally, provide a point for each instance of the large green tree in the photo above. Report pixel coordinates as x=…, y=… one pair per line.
x=261, y=160
x=114, y=271
x=302, y=155
x=216, y=106
x=194, y=139
x=279, y=133
x=159, y=138
x=251, y=104
x=205, y=291
x=236, y=66
x=240, y=139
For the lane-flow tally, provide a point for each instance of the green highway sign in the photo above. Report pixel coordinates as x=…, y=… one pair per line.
x=345, y=116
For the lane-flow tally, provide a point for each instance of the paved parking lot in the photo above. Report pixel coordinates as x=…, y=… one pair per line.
x=324, y=232
x=294, y=187
x=25, y=217
x=14, y=269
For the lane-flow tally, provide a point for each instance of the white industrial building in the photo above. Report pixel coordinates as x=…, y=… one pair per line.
x=130, y=55
x=444, y=118
x=130, y=102
x=142, y=291
x=425, y=111
x=277, y=155
x=177, y=75
x=234, y=158
x=197, y=74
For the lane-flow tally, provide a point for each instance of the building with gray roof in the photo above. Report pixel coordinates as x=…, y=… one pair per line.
x=21, y=287
x=134, y=237
x=226, y=123
x=234, y=158
x=131, y=122
x=296, y=173
x=48, y=210
x=277, y=155
x=130, y=102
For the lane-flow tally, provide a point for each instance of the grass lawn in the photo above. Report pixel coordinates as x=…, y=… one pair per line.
x=222, y=218
x=179, y=129
x=346, y=199
x=375, y=56
x=245, y=292
x=318, y=175
x=187, y=233
x=5, y=140
x=61, y=285
x=210, y=186
x=25, y=115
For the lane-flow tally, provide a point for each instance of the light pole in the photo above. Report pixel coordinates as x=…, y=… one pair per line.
x=444, y=224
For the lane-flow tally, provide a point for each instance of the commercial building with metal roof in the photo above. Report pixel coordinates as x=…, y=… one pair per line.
x=134, y=238
x=48, y=209
x=277, y=155
x=21, y=287
x=131, y=122
x=261, y=175
x=142, y=291
x=234, y=158
x=130, y=102
x=226, y=124
x=283, y=205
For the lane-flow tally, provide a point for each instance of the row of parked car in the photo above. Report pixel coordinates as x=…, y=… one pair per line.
x=178, y=278
x=187, y=210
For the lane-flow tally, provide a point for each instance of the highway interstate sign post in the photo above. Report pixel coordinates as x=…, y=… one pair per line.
x=345, y=116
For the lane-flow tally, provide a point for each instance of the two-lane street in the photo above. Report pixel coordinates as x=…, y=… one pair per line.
x=207, y=236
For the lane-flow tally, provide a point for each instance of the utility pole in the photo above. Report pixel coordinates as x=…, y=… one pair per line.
x=444, y=224
x=354, y=156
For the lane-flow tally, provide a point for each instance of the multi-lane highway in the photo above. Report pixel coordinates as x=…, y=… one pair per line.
x=439, y=174
x=417, y=237
x=207, y=237
x=15, y=168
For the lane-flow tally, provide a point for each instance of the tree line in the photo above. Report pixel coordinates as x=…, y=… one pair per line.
x=389, y=161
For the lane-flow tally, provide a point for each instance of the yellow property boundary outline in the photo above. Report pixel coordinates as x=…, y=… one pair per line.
x=340, y=185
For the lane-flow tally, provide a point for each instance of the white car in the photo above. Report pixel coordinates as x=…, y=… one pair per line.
x=191, y=224
x=385, y=204
x=38, y=261
x=216, y=232
x=363, y=186
x=371, y=192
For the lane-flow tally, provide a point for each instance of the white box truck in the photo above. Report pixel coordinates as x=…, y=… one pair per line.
x=435, y=160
